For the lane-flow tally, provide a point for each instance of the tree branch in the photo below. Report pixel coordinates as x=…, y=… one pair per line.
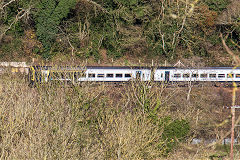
x=7, y=4
x=97, y=5
x=235, y=58
x=235, y=43
x=222, y=138
x=19, y=16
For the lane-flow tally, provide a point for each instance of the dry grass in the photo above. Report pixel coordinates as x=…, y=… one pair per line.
x=102, y=121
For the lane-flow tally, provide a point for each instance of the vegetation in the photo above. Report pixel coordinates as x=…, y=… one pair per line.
x=116, y=28
x=102, y=121
x=98, y=121
x=48, y=18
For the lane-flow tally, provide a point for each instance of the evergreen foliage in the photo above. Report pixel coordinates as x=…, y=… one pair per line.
x=174, y=131
x=121, y=27
x=49, y=16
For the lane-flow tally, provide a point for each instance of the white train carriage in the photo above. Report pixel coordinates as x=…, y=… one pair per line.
x=98, y=74
x=115, y=74
x=215, y=74
x=124, y=74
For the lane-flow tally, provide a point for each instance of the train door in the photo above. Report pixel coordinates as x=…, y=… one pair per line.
x=167, y=74
x=138, y=74
x=75, y=77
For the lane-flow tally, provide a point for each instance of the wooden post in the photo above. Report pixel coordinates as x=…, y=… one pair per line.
x=232, y=132
x=233, y=109
x=233, y=118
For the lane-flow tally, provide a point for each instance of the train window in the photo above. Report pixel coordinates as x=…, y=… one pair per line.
x=119, y=75
x=100, y=75
x=203, y=75
x=194, y=75
x=68, y=75
x=55, y=75
x=83, y=75
x=79, y=75
x=177, y=75
x=91, y=75
x=161, y=75
x=186, y=75
x=63, y=75
x=237, y=75
x=110, y=75
x=221, y=75
x=127, y=75
x=230, y=75
x=212, y=75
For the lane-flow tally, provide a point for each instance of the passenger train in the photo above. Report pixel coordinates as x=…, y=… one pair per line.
x=123, y=74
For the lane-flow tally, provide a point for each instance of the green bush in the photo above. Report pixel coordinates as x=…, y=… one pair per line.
x=174, y=131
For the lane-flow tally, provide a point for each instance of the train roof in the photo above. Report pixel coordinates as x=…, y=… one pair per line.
x=89, y=67
x=206, y=68
x=123, y=67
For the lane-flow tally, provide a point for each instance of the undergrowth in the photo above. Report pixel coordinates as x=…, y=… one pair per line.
x=94, y=121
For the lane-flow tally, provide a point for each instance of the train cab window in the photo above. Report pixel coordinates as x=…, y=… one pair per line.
x=186, y=75
x=212, y=75
x=203, y=75
x=230, y=75
x=221, y=75
x=119, y=75
x=237, y=75
x=177, y=75
x=91, y=75
x=109, y=75
x=194, y=75
x=100, y=75
x=127, y=75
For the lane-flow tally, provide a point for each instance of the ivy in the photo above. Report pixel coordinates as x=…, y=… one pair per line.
x=49, y=16
x=218, y=5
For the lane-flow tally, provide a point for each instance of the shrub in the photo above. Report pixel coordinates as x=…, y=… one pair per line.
x=174, y=131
